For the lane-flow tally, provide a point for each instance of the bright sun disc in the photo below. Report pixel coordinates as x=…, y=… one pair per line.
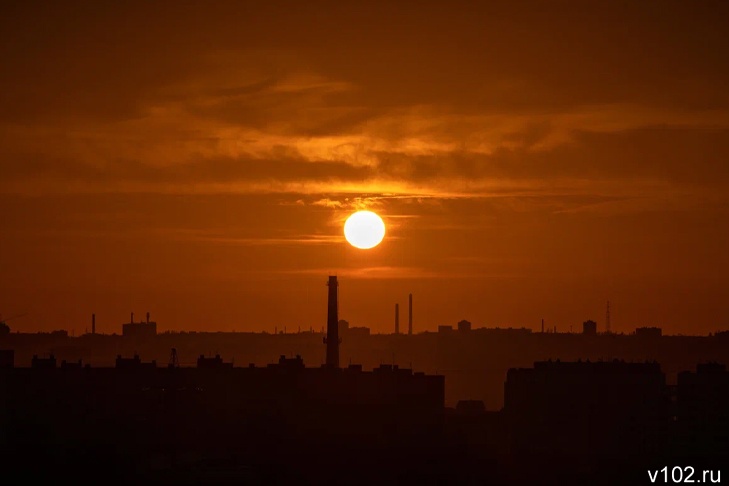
x=364, y=230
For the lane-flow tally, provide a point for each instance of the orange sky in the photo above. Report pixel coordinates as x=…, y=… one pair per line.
x=197, y=161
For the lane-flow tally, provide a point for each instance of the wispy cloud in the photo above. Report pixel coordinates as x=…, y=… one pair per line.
x=328, y=203
x=396, y=272
x=258, y=130
x=264, y=241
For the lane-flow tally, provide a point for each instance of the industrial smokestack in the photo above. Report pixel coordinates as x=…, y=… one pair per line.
x=131, y=320
x=147, y=317
x=93, y=323
x=410, y=315
x=397, y=318
x=332, y=340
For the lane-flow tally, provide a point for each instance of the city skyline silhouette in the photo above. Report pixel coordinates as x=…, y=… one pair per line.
x=573, y=420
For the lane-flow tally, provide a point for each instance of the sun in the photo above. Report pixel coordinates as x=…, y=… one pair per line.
x=364, y=230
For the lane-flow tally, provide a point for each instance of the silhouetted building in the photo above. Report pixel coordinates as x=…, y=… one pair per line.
x=289, y=364
x=702, y=402
x=470, y=407
x=214, y=362
x=504, y=332
x=343, y=327
x=139, y=330
x=480, y=435
x=352, y=332
x=359, y=332
x=445, y=329
x=43, y=363
x=648, y=332
x=589, y=328
x=586, y=408
x=133, y=363
x=68, y=365
x=464, y=326
x=7, y=358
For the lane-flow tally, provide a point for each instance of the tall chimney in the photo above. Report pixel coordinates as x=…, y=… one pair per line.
x=132, y=318
x=542, y=326
x=332, y=340
x=397, y=318
x=410, y=315
x=93, y=323
x=147, y=317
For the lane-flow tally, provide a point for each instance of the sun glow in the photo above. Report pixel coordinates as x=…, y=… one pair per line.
x=364, y=230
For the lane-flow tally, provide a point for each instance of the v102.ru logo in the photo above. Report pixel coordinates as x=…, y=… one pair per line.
x=686, y=474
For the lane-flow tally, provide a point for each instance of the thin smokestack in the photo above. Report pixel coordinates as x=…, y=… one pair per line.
x=332, y=340
x=397, y=318
x=131, y=319
x=93, y=323
x=147, y=317
x=410, y=315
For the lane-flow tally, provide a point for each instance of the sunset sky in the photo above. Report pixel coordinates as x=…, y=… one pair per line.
x=530, y=160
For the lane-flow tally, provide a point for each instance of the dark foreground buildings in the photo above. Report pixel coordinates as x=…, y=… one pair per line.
x=563, y=423
x=276, y=413
x=703, y=410
x=140, y=422
x=610, y=422
x=567, y=408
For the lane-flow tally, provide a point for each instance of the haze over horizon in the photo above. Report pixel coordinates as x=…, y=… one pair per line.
x=530, y=161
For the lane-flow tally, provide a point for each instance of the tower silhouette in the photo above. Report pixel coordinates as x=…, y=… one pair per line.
x=332, y=338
